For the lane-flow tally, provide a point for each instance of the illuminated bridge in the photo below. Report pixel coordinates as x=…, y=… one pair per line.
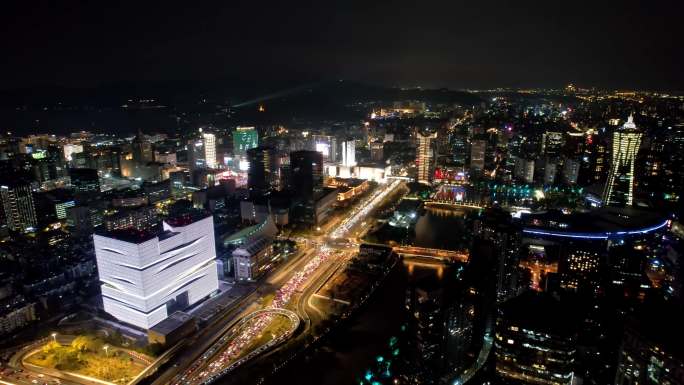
x=468, y=205
x=436, y=254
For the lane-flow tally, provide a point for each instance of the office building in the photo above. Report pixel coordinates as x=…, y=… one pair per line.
x=425, y=156
x=571, y=169
x=263, y=171
x=497, y=227
x=18, y=205
x=195, y=151
x=349, y=153
x=524, y=170
x=459, y=146
x=306, y=173
x=377, y=151
x=579, y=266
x=244, y=138
x=619, y=187
x=552, y=143
x=142, y=149
x=535, y=340
x=70, y=149
x=477, y=156
x=209, y=141
x=550, y=171
x=84, y=180
x=326, y=145
x=252, y=259
x=147, y=275
x=140, y=219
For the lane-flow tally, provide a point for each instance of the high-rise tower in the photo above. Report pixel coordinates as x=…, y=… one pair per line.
x=18, y=205
x=620, y=184
x=425, y=156
x=209, y=149
x=349, y=153
x=244, y=138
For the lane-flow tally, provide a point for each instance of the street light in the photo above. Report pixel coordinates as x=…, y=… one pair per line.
x=54, y=336
x=106, y=349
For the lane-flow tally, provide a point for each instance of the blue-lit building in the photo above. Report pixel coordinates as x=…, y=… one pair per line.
x=611, y=225
x=606, y=242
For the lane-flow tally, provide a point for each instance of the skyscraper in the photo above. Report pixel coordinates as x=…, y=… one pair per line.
x=209, y=149
x=306, y=170
x=349, y=153
x=326, y=145
x=142, y=149
x=477, y=155
x=262, y=173
x=619, y=187
x=524, y=169
x=244, y=138
x=571, y=168
x=552, y=143
x=18, y=205
x=425, y=156
x=459, y=147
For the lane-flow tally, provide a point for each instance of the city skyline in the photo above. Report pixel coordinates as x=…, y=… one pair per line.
x=386, y=193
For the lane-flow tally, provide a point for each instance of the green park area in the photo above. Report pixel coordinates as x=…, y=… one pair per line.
x=88, y=356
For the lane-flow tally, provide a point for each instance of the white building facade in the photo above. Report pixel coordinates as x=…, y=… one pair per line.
x=144, y=281
x=349, y=153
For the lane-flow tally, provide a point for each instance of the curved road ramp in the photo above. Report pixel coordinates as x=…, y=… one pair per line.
x=255, y=334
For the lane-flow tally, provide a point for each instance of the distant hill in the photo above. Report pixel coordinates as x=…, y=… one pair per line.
x=61, y=110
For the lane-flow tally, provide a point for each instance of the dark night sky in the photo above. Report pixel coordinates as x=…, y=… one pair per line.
x=621, y=44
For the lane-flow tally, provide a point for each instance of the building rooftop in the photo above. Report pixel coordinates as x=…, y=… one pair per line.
x=600, y=224
x=173, y=322
x=255, y=245
x=539, y=312
x=131, y=235
x=187, y=217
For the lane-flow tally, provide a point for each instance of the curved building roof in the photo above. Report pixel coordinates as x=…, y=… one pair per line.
x=603, y=223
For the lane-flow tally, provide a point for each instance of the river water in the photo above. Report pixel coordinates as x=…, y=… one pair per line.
x=441, y=229
x=352, y=348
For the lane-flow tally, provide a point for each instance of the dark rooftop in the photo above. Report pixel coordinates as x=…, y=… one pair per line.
x=173, y=322
x=539, y=312
x=603, y=220
x=131, y=235
x=187, y=217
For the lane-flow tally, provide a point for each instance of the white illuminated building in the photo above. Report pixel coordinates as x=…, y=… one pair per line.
x=326, y=145
x=349, y=153
x=209, y=150
x=619, y=188
x=147, y=277
x=70, y=149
